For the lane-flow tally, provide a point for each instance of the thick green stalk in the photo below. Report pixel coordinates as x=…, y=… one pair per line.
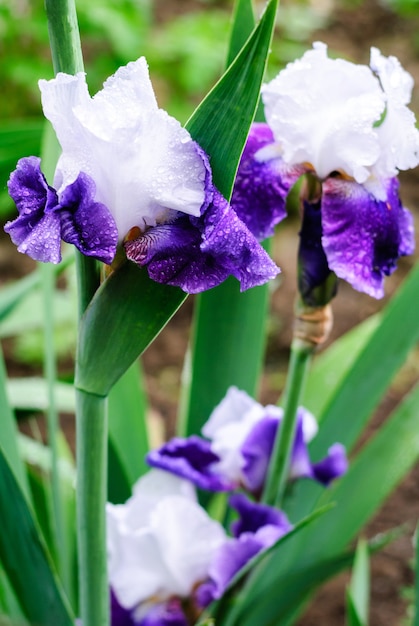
x=91, y=410
x=92, y=445
x=280, y=461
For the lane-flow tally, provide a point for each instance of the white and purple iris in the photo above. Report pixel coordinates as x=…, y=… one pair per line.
x=240, y=436
x=349, y=127
x=167, y=559
x=130, y=174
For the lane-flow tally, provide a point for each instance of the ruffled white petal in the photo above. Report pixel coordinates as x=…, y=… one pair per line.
x=398, y=135
x=322, y=113
x=144, y=164
x=160, y=542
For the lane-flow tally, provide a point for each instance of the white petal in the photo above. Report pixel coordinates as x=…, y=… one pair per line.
x=144, y=164
x=231, y=408
x=322, y=112
x=187, y=538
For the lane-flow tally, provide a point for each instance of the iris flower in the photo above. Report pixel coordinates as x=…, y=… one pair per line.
x=130, y=175
x=348, y=128
x=167, y=559
x=239, y=439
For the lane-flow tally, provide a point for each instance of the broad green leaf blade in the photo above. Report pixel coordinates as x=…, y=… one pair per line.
x=358, y=593
x=25, y=559
x=237, y=320
x=128, y=436
x=228, y=348
x=371, y=373
x=372, y=476
x=32, y=394
x=129, y=309
x=231, y=116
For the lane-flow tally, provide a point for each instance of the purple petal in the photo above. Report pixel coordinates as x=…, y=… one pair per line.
x=317, y=285
x=230, y=242
x=262, y=186
x=256, y=451
x=300, y=466
x=254, y=516
x=332, y=466
x=119, y=615
x=168, y=614
x=190, y=458
x=87, y=224
x=200, y=253
x=363, y=237
x=37, y=229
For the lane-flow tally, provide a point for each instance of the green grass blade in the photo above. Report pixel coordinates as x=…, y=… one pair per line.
x=128, y=436
x=129, y=309
x=358, y=592
x=8, y=433
x=25, y=559
x=243, y=24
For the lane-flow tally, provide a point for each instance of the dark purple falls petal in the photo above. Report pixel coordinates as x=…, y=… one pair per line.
x=335, y=464
x=197, y=254
x=256, y=451
x=85, y=223
x=37, y=230
x=253, y=516
x=363, y=237
x=169, y=613
x=262, y=186
x=190, y=458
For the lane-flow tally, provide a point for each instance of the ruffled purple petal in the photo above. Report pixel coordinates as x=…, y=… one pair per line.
x=190, y=458
x=37, y=230
x=332, y=466
x=85, y=223
x=363, y=237
x=169, y=613
x=230, y=242
x=196, y=254
x=256, y=452
x=253, y=516
x=262, y=186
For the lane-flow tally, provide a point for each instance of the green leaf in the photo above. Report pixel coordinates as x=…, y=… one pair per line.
x=25, y=558
x=243, y=24
x=128, y=436
x=31, y=394
x=129, y=309
x=358, y=592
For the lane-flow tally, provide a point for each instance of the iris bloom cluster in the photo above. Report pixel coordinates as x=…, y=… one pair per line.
x=130, y=175
x=349, y=129
x=167, y=559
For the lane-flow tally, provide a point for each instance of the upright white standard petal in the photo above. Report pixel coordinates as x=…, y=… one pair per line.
x=398, y=135
x=322, y=113
x=228, y=427
x=144, y=164
x=160, y=542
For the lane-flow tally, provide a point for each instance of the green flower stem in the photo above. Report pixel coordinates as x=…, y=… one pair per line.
x=92, y=445
x=279, y=466
x=91, y=410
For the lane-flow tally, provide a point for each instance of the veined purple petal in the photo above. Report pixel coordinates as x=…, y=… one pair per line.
x=262, y=184
x=119, y=615
x=200, y=253
x=37, y=229
x=332, y=466
x=253, y=516
x=190, y=458
x=362, y=236
x=85, y=223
